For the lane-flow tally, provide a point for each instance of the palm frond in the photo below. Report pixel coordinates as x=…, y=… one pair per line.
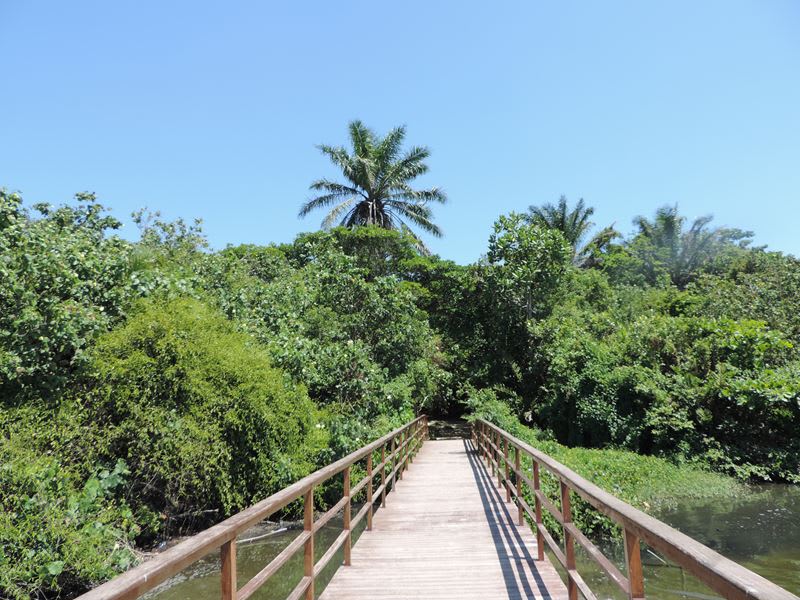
x=362, y=138
x=430, y=195
x=342, y=159
x=335, y=188
x=418, y=214
x=388, y=148
x=336, y=212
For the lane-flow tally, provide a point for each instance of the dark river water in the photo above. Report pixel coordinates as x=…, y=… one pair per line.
x=760, y=531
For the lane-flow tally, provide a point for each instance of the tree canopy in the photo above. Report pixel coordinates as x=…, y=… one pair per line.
x=377, y=184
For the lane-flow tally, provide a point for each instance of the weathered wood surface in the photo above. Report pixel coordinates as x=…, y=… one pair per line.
x=448, y=533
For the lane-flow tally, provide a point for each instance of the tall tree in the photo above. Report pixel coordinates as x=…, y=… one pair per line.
x=575, y=225
x=682, y=251
x=377, y=188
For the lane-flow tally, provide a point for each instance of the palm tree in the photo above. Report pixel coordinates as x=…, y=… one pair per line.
x=377, y=190
x=684, y=251
x=575, y=225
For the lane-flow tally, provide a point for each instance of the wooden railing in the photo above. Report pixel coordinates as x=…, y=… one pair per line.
x=397, y=450
x=722, y=575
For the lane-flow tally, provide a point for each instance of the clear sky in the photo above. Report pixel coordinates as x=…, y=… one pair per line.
x=213, y=110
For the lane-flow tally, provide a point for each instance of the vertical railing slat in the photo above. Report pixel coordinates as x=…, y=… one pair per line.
x=228, y=555
x=348, y=542
x=569, y=542
x=394, y=461
x=505, y=466
x=518, y=470
x=633, y=560
x=402, y=454
x=383, y=475
x=537, y=488
x=369, y=492
x=497, y=458
x=308, y=550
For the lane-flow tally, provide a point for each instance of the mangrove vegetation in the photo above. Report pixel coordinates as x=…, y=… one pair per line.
x=151, y=388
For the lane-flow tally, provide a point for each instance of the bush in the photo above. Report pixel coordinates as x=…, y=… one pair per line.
x=645, y=376
x=60, y=533
x=62, y=282
x=333, y=325
x=206, y=425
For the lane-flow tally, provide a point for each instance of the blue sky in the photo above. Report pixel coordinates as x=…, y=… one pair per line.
x=213, y=110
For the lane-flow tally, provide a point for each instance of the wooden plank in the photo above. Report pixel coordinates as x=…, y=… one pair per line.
x=300, y=589
x=448, y=532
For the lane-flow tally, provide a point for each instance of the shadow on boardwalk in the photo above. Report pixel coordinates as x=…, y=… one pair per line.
x=447, y=533
x=511, y=549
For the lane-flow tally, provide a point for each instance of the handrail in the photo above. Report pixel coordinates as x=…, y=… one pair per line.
x=722, y=575
x=148, y=575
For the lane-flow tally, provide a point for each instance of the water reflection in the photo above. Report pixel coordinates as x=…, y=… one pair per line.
x=256, y=548
x=760, y=531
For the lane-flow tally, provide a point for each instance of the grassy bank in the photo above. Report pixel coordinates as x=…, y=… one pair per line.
x=649, y=483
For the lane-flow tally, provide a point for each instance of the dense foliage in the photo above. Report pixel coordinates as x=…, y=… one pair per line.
x=150, y=388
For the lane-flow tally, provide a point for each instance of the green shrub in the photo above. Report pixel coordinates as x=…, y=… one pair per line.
x=62, y=282
x=60, y=533
x=206, y=425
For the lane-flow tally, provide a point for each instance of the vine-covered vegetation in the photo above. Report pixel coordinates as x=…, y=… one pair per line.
x=151, y=388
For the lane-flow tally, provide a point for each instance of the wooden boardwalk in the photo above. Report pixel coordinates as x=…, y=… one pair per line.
x=447, y=533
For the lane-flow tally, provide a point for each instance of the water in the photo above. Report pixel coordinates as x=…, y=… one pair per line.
x=202, y=579
x=760, y=531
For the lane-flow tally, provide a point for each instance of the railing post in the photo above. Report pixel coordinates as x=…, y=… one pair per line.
x=484, y=444
x=497, y=457
x=520, y=514
x=413, y=447
x=369, y=492
x=490, y=448
x=489, y=451
x=394, y=460
x=633, y=560
x=538, y=509
x=308, y=550
x=569, y=542
x=505, y=463
x=401, y=452
x=383, y=475
x=228, y=551
x=348, y=542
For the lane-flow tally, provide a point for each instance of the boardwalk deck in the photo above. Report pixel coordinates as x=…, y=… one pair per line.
x=447, y=533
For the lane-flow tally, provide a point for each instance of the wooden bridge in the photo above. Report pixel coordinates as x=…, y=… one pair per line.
x=460, y=525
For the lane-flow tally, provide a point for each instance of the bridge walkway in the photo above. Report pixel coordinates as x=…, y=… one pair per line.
x=448, y=532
